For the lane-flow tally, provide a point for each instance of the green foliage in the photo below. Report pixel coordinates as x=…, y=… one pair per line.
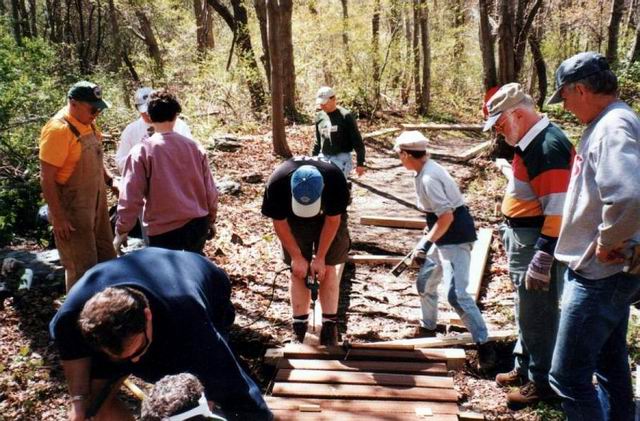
x=629, y=84
x=28, y=95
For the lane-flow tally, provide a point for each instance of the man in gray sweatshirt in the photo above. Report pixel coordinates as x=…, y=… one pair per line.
x=600, y=226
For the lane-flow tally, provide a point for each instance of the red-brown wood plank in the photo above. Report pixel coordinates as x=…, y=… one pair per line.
x=454, y=357
x=330, y=415
x=380, y=379
x=369, y=366
x=350, y=391
x=356, y=406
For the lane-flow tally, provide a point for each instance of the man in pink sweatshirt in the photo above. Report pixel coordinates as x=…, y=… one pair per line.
x=168, y=175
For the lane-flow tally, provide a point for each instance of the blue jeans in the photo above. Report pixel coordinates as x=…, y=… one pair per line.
x=592, y=339
x=536, y=313
x=342, y=161
x=449, y=263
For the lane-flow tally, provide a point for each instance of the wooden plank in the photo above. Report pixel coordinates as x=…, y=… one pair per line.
x=373, y=259
x=457, y=340
x=470, y=416
x=381, y=132
x=393, y=221
x=438, y=126
x=454, y=357
x=346, y=415
x=476, y=150
x=356, y=406
x=438, y=368
x=350, y=391
x=378, y=345
x=380, y=379
x=479, y=255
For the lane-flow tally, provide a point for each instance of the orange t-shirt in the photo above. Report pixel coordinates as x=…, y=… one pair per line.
x=59, y=146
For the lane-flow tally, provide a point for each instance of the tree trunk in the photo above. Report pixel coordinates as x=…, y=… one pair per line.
x=238, y=23
x=487, y=46
x=204, y=30
x=288, y=65
x=416, y=52
x=631, y=17
x=406, y=73
x=280, y=146
x=150, y=39
x=15, y=21
x=541, y=67
x=375, y=53
x=634, y=54
x=617, y=8
x=523, y=27
x=426, y=59
x=506, y=47
x=32, y=18
x=345, y=35
x=261, y=13
x=458, y=46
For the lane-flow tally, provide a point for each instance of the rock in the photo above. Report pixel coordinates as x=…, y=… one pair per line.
x=236, y=239
x=228, y=186
x=253, y=178
x=226, y=143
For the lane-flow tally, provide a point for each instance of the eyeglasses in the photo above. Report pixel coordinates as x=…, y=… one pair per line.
x=505, y=117
x=91, y=109
x=142, y=349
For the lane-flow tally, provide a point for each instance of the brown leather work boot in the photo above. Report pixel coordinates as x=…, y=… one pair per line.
x=423, y=332
x=329, y=334
x=512, y=378
x=529, y=394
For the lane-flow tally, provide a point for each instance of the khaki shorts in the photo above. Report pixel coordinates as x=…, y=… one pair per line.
x=307, y=234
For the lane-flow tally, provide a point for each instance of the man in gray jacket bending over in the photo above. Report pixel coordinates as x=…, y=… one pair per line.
x=600, y=227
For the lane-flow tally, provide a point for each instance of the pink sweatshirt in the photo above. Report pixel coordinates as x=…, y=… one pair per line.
x=169, y=175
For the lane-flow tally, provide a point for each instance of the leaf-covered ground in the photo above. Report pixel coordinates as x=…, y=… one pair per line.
x=373, y=304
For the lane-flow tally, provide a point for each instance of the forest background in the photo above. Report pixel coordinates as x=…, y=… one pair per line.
x=240, y=66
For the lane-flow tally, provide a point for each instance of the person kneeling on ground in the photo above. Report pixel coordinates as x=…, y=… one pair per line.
x=451, y=229
x=177, y=398
x=307, y=199
x=151, y=313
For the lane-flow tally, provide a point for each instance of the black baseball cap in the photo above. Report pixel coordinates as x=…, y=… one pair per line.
x=88, y=92
x=576, y=68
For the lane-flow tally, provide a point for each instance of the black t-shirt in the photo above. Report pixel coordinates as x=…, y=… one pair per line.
x=190, y=304
x=276, y=203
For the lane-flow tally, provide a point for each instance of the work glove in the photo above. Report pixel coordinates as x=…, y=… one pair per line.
x=420, y=251
x=119, y=241
x=539, y=271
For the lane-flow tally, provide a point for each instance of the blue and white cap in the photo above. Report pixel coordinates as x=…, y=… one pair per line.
x=306, y=191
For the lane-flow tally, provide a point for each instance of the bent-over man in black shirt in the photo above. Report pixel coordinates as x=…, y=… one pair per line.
x=307, y=200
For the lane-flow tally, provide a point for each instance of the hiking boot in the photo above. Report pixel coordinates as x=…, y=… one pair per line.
x=329, y=334
x=512, y=378
x=486, y=357
x=299, y=331
x=423, y=332
x=529, y=394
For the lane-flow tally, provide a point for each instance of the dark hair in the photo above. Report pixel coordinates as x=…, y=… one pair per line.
x=163, y=106
x=604, y=82
x=172, y=395
x=111, y=316
x=416, y=154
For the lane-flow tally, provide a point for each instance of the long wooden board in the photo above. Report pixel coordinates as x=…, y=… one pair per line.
x=346, y=415
x=402, y=407
x=457, y=340
x=437, y=126
x=374, y=259
x=394, y=221
x=453, y=357
x=381, y=132
x=350, y=391
x=380, y=379
x=438, y=368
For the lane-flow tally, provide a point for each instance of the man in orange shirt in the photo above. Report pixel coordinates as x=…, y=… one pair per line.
x=73, y=180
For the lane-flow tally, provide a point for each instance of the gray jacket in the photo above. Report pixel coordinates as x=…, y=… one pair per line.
x=603, y=201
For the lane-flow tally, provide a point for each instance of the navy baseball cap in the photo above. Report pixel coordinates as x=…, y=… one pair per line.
x=576, y=68
x=306, y=191
x=88, y=92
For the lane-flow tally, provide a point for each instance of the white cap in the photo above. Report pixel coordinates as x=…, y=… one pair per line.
x=411, y=141
x=324, y=94
x=141, y=98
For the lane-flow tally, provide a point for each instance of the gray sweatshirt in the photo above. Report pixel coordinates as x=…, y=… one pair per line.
x=603, y=200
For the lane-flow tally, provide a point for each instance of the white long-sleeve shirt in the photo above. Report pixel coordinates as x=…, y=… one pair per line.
x=135, y=132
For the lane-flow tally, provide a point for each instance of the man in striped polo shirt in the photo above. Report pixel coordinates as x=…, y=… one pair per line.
x=532, y=208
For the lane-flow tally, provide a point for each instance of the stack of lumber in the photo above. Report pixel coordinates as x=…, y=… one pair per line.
x=322, y=383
